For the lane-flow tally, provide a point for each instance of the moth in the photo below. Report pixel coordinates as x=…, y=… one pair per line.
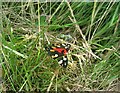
x=59, y=52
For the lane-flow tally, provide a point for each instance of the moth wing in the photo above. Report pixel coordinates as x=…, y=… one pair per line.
x=63, y=61
x=55, y=54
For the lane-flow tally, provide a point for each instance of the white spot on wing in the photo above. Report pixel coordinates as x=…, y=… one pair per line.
x=64, y=58
x=56, y=55
x=58, y=46
x=66, y=47
x=60, y=62
x=63, y=45
x=65, y=63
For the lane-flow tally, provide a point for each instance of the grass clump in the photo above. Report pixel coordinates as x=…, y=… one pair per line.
x=92, y=30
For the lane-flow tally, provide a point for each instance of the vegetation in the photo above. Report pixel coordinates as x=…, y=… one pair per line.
x=92, y=30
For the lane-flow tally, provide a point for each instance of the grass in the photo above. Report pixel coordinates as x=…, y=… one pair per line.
x=92, y=30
